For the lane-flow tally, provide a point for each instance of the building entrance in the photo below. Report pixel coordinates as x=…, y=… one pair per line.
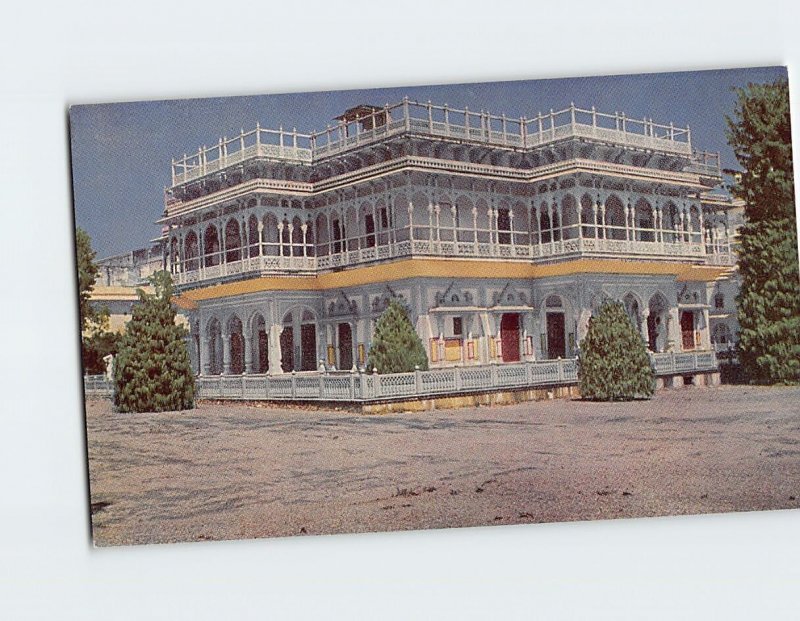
x=687, y=329
x=509, y=337
x=345, y=346
x=308, y=347
x=556, y=346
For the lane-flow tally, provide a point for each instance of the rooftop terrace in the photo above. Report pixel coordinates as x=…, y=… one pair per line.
x=354, y=130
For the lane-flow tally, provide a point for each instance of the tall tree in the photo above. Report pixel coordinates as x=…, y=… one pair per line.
x=769, y=301
x=87, y=276
x=152, y=371
x=613, y=364
x=396, y=347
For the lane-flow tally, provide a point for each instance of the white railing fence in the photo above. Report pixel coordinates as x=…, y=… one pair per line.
x=364, y=387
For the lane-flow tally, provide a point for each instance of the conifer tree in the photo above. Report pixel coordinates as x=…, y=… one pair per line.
x=152, y=372
x=769, y=300
x=396, y=347
x=613, y=364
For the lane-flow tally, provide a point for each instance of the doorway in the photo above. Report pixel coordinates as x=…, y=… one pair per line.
x=287, y=349
x=345, y=333
x=509, y=337
x=308, y=347
x=556, y=345
x=687, y=329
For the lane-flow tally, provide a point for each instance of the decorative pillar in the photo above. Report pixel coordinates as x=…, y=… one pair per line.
x=454, y=212
x=411, y=222
x=657, y=234
x=247, y=336
x=205, y=354
x=260, y=238
x=226, y=354
x=280, y=238
x=602, y=207
x=275, y=361
x=645, y=332
x=630, y=222
x=304, y=229
x=290, y=228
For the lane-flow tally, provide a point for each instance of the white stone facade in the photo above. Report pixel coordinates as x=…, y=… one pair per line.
x=500, y=236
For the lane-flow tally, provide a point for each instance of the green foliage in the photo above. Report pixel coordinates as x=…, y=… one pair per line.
x=87, y=275
x=396, y=347
x=152, y=372
x=769, y=300
x=760, y=135
x=769, y=303
x=97, y=346
x=613, y=364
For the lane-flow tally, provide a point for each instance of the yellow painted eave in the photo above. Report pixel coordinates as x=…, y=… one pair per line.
x=450, y=268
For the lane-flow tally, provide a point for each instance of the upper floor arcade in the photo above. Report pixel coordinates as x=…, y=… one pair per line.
x=418, y=215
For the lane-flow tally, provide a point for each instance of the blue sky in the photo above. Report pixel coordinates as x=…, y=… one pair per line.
x=121, y=152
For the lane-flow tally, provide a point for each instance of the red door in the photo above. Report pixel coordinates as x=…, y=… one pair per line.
x=687, y=329
x=509, y=337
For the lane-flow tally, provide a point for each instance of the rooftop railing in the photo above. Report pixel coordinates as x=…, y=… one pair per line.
x=443, y=121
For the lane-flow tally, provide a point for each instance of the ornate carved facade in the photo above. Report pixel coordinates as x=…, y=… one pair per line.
x=500, y=236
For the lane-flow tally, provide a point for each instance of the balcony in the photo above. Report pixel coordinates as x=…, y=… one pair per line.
x=277, y=260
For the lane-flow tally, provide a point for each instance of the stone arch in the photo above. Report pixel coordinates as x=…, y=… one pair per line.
x=296, y=234
x=252, y=235
x=615, y=218
x=233, y=241
x=657, y=322
x=235, y=332
x=259, y=348
x=556, y=322
x=174, y=254
x=644, y=220
x=633, y=308
x=211, y=246
x=323, y=235
x=587, y=217
x=570, y=217
x=270, y=235
x=214, y=346
x=695, y=233
x=367, y=224
x=351, y=228
x=545, y=224
x=191, y=250
x=670, y=219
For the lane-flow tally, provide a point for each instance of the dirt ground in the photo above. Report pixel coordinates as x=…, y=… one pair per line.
x=234, y=471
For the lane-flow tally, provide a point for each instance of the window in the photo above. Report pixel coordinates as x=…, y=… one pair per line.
x=458, y=328
x=719, y=301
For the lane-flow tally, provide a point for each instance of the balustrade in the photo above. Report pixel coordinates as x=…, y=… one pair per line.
x=358, y=386
x=442, y=121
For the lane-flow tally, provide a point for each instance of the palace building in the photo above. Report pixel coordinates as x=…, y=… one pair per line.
x=499, y=235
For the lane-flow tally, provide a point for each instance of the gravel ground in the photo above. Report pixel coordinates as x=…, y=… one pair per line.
x=235, y=471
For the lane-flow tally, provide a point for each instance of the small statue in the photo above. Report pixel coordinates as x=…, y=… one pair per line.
x=109, y=360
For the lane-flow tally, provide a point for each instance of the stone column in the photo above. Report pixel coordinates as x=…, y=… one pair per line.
x=205, y=354
x=226, y=354
x=645, y=332
x=673, y=330
x=275, y=349
x=247, y=336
